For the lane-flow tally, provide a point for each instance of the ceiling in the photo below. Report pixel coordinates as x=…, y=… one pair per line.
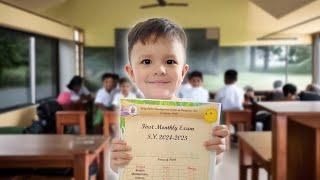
x=241, y=22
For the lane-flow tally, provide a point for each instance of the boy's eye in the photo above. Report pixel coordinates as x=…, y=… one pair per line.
x=146, y=61
x=170, y=61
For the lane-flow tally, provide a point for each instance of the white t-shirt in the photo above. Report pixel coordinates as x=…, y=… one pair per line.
x=76, y=96
x=104, y=97
x=198, y=94
x=117, y=96
x=231, y=97
x=183, y=90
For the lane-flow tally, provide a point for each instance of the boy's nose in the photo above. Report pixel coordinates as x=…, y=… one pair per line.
x=160, y=70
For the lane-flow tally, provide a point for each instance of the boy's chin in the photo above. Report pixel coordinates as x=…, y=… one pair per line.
x=160, y=96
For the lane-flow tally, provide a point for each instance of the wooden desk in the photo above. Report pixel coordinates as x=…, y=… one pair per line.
x=54, y=151
x=303, y=159
x=254, y=152
x=280, y=111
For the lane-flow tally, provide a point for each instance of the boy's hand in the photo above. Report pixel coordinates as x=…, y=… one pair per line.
x=120, y=154
x=218, y=143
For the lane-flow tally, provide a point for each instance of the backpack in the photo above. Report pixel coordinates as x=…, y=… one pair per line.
x=46, y=124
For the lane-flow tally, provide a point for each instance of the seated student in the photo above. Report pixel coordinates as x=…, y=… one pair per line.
x=196, y=93
x=185, y=86
x=125, y=91
x=313, y=88
x=290, y=92
x=157, y=65
x=77, y=92
x=230, y=96
x=249, y=97
x=276, y=93
x=104, y=96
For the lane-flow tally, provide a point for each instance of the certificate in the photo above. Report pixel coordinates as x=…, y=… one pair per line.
x=167, y=139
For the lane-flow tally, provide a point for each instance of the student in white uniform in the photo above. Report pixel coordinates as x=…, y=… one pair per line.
x=125, y=92
x=103, y=100
x=196, y=92
x=231, y=96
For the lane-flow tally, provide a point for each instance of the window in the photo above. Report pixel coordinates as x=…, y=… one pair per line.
x=46, y=68
x=260, y=66
x=28, y=68
x=14, y=69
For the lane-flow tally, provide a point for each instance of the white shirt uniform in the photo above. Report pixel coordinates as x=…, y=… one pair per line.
x=198, y=94
x=183, y=90
x=104, y=97
x=231, y=97
x=119, y=95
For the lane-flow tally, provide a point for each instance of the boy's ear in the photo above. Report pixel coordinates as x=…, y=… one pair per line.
x=129, y=71
x=185, y=70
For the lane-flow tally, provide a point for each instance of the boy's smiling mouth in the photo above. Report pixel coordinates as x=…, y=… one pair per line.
x=158, y=82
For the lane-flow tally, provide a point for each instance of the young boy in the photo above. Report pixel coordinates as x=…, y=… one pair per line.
x=157, y=65
x=196, y=92
x=125, y=92
x=230, y=96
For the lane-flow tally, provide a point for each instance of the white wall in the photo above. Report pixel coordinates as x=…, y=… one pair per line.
x=67, y=62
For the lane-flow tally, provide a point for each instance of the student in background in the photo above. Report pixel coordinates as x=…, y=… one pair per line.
x=77, y=92
x=290, y=92
x=105, y=95
x=230, y=96
x=125, y=91
x=249, y=97
x=196, y=93
x=276, y=94
x=104, y=98
x=185, y=86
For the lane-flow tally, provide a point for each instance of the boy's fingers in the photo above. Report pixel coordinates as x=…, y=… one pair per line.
x=215, y=141
x=120, y=147
x=218, y=148
x=219, y=127
x=121, y=155
x=221, y=132
x=120, y=162
x=117, y=141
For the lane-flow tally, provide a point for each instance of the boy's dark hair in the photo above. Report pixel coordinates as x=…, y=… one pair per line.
x=157, y=27
x=289, y=88
x=124, y=80
x=231, y=76
x=75, y=81
x=195, y=74
x=115, y=77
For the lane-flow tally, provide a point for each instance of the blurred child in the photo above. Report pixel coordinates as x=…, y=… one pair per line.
x=125, y=92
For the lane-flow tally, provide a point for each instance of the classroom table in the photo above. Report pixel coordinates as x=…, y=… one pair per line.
x=254, y=152
x=303, y=159
x=54, y=151
x=280, y=111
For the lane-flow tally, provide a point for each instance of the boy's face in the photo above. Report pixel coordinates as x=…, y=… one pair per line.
x=108, y=84
x=125, y=88
x=195, y=82
x=158, y=67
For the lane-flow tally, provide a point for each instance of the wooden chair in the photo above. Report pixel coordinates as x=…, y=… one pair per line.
x=64, y=118
x=240, y=118
x=110, y=119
